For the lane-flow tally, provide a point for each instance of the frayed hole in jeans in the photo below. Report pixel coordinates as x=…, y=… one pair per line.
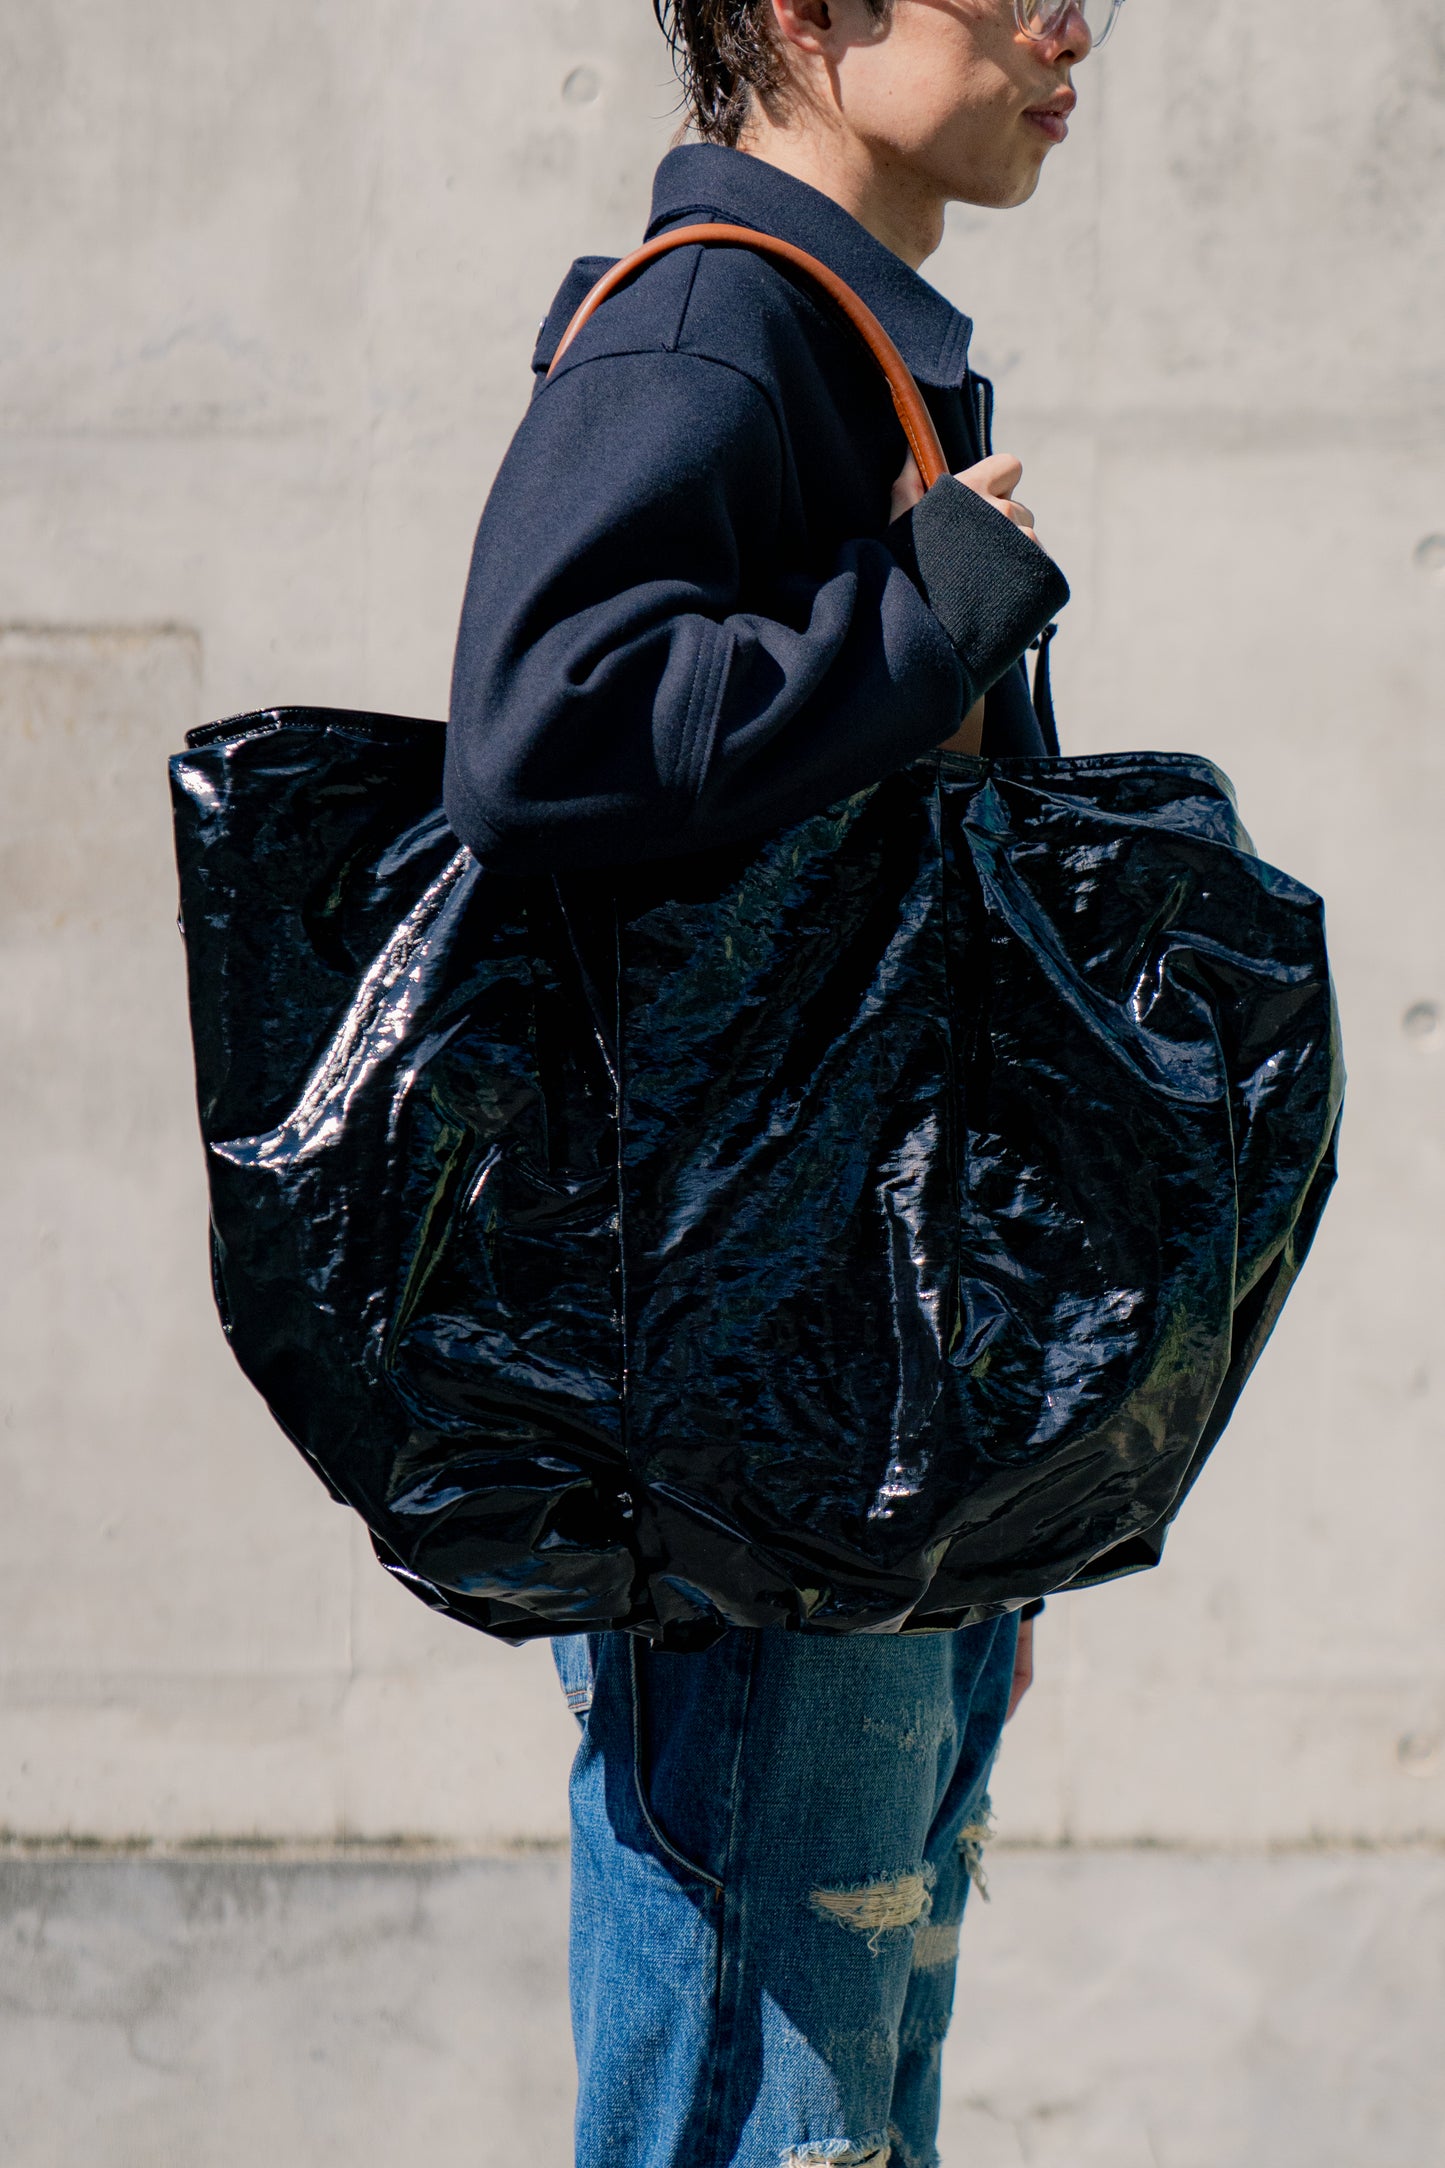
x=875, y=1908
x=837, y=2153
x=971, y=1841
x=935, y=1944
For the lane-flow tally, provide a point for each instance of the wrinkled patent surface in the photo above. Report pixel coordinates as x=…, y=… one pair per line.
x=867, y=1229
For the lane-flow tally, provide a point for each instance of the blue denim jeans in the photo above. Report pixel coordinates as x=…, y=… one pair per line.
x=772, y=1843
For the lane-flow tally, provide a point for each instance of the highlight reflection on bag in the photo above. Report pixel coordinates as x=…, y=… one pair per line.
x=870, y=1228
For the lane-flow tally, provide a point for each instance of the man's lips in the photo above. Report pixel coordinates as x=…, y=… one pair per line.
x=1052, y=118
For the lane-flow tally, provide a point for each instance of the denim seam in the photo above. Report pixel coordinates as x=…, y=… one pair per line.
x=729, y=1926
x=679, y=1859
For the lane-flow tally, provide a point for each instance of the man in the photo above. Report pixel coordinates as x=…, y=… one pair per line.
x=709, y=596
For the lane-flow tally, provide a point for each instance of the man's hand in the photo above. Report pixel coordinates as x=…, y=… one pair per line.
x=1023, y=1666
x=994, y=479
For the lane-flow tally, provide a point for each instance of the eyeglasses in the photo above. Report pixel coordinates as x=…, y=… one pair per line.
x=1045, y=18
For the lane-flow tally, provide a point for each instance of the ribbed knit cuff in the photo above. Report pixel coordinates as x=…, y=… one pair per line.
x=991, y=588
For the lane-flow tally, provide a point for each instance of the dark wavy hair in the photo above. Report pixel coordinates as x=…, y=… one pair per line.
x=725, y=55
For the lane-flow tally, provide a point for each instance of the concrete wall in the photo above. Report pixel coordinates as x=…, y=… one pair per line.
x=270, y=277
x=1115, y=2010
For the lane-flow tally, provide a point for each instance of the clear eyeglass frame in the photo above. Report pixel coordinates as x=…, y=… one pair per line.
x=1039, y=19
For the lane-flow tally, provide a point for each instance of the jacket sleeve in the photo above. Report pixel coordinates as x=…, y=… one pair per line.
x=618, y=692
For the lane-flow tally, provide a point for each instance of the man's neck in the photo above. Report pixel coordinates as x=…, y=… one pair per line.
x=886, y=199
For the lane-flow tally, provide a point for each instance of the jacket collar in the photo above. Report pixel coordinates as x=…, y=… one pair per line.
x=708, y=181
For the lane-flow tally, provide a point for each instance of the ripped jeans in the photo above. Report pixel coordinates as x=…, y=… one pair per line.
x=772, y=1843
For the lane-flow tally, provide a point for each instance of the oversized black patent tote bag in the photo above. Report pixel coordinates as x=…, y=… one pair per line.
x=866, y=1229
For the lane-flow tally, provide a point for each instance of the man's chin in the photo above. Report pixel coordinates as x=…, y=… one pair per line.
x=1000, y=192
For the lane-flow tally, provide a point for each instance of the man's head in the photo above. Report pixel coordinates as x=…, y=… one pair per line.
x=957, y=97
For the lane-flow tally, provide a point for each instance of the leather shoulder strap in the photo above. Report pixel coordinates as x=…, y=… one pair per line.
x=907, y=398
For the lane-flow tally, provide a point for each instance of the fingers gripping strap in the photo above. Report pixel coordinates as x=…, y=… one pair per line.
x=907, y=398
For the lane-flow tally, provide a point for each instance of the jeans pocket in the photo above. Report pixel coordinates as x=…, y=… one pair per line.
x=642, y=1788
x=576, y=1668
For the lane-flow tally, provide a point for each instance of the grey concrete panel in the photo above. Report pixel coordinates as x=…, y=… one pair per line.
x=192, y=1637
x=271, y=279
x=1115, y=2010
x=196, y=2016
x=1135, y=2010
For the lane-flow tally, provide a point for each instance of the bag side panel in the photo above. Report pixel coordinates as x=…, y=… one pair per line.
x=410, y=1135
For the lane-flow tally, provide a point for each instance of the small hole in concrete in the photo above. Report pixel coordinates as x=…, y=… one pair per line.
x=582, y=86
x=1421, y=1753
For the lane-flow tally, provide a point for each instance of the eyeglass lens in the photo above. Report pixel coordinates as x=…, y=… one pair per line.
x=1043, y=18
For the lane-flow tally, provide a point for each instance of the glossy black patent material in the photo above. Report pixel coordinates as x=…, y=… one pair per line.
x=868, y=1229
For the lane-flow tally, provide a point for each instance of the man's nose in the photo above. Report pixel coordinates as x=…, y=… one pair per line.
x=1071, y=39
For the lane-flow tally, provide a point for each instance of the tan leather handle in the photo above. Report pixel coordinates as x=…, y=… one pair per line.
x=907, y=398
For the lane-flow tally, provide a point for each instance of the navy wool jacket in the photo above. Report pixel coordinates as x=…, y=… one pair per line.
x=688, y=619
